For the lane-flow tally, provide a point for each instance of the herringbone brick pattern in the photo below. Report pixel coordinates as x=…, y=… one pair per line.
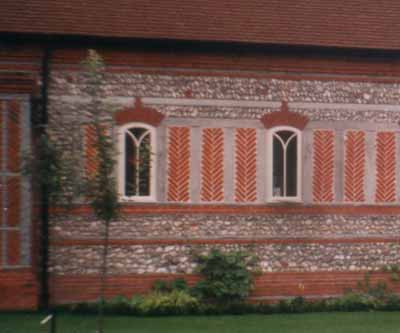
x=91, y=162
x=385, y=167
x=212, y=165
x=323, y=166
x=354, y=166
x=246, y=165
x=178, y=164
x=14, y=137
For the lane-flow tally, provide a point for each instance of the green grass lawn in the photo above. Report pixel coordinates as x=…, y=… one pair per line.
x=365, y=322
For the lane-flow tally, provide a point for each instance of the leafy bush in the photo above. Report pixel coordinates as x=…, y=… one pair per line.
x=163, y=286
x=227, y=276
x=176, y=302
x=118, y=304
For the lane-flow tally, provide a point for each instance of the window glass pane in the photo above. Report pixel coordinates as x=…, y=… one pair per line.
x=130, y=166
x=291, y=168
x=138, y=132
x=277, y=163
x=145, y=165
x=284, y=135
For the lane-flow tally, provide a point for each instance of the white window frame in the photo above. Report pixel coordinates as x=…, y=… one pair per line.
x=121, y=163
x=270, y=165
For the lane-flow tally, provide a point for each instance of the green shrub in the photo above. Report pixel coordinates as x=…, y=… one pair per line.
x=117, y=305
x=179, y=284
x=227, y=276
x=163, y=286
x=176, y=302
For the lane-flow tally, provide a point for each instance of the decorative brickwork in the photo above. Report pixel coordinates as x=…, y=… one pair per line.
x=385, y=167
x=91, y=162
x=323, y=166
x=284, y=118
x=139, y=114
x=179, y=164
x=14, y=137
x=246, y=165
x=354, y=166
x=212, y=165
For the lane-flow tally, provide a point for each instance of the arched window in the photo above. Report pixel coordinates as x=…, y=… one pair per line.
x=284, y=164
x=137, y=165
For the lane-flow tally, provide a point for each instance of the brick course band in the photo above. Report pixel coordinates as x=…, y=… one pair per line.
x=353, y=210
x=268, y=286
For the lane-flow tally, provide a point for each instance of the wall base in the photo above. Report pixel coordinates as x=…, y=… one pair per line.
x=268, y=286
x=18, y=290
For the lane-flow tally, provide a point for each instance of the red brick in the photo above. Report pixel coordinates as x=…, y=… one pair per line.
x=179, y=164
x=323, y=165
x=139, y=113
x=284, y=118
x=246, y=165
x=13, y=248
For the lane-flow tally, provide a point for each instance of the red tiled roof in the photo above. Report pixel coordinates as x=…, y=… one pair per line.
x=341, y=23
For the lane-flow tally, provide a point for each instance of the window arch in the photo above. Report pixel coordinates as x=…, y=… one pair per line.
x=137, y=143
x=284, y=167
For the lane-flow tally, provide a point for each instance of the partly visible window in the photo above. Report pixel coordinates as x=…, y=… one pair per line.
x=137, y=167
x=284, y=167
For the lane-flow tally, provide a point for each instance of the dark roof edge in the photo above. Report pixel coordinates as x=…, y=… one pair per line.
x=88, y=41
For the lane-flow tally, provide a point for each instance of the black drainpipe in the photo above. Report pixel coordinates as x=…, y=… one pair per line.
x=44, y=298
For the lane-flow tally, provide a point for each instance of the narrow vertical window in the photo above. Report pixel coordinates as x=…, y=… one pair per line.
x=284, y=163
x=137, y=165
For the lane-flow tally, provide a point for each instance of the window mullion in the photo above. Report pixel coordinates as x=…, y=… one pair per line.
x=137, y=173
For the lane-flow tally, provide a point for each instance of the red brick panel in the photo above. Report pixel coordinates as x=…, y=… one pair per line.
x=212, y=165
x=75, y=288
x=87, y=287
x=14, y=201
x=18, y=290
x=385, y=167
x=179, y=164
x=354, y=166
x=323, y=166
x=13, y=248
x=14, y=137
x=91, y=162
x=246, y=165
